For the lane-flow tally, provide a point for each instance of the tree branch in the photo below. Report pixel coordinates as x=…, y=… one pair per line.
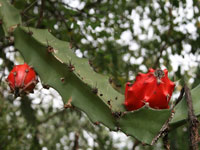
x=41, y=13
x=165, y=128
x=75, y=147
x=166, y=140
x=193, y=121
x=26, y=9
x=180, y=97
x=162, y=48
x=136, y=144
x=51, y=116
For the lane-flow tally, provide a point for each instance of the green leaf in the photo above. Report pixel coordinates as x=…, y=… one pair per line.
x=10, y=16
x=144, y=124
x=181, y=111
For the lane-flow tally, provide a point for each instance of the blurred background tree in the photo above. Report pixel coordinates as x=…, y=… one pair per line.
x=120, y=38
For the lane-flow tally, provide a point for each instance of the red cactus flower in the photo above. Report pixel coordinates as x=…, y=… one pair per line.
x=22, y=79
x=153, y=88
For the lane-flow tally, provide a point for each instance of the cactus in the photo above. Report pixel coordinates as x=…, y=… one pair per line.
x=78, y=84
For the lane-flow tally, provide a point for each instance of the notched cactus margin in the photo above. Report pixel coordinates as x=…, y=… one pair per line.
x=57, y=74
x=9, y=16
x=181, y=113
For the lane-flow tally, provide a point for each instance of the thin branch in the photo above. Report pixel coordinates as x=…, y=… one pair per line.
x=57, y=14
x=166, y=140
x=136, y=144
x=165, y=45
x=193, y=121
x=180, y=97
x=165, y=128
x=83, y=11
x=26, y=9
x=76, y=143
x=41, y=13
x=51, y=116
x=162, y=48
x=12, y=2
x=68, y=6
x=6, y=45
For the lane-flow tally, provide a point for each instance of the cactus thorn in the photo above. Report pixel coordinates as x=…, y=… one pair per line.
x=71, y=66
x=95, y=90
x=26, y=70
x=70, y=45
x=50, y=49
x=117, y=114
x=62, y=79
x=110, y=80
x=30, y=32
x=96, y=123
x=118, y=129
x=45, y=86
x=90, y=62
x=68, y=105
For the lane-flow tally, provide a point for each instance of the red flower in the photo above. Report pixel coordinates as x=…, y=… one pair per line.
x=153, y=88
x=22, y=79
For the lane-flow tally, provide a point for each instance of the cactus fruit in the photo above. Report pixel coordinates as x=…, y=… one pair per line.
x=22, y=79
x=153, y=89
